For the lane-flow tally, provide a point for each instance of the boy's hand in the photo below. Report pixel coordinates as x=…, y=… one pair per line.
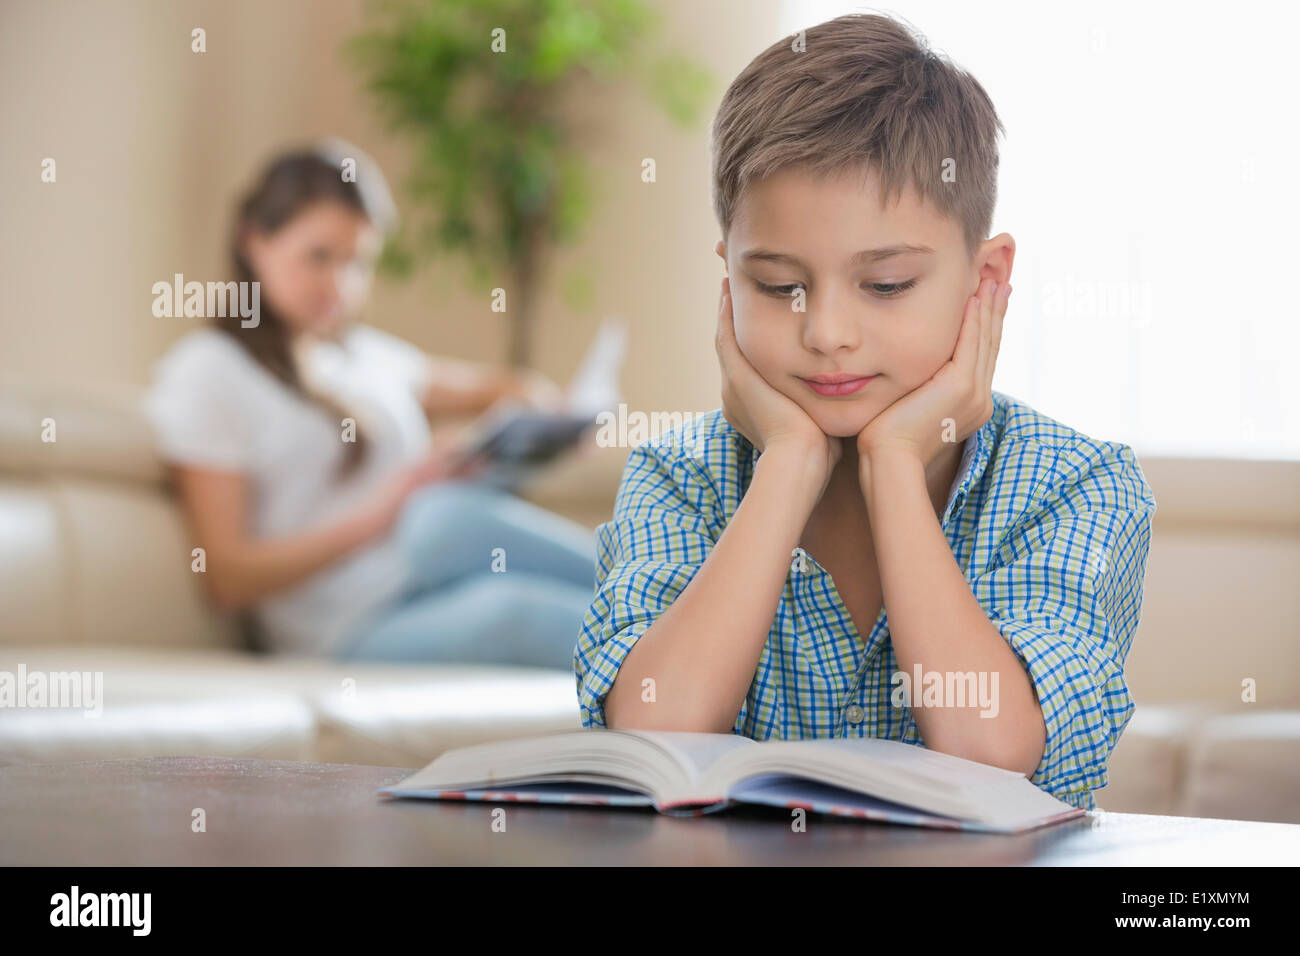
x=962, y=390
x=756, y=409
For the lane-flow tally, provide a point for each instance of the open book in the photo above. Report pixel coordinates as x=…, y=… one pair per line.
x=681, y=773
x=515, y=440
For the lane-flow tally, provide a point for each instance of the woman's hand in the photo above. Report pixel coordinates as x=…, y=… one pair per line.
x=457, y=388
x=961, y=391
x=756, y=409
x=445, y=462
x=519, y=386
x=533, y=389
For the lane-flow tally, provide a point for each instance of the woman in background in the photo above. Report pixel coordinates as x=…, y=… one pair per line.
x=302, y=452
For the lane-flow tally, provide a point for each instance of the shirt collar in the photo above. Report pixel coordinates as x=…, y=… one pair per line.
x=974, y=459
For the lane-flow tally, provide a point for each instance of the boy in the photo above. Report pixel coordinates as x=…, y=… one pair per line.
x=866, y=534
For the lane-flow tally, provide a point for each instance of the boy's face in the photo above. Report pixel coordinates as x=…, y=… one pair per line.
x=855, y=321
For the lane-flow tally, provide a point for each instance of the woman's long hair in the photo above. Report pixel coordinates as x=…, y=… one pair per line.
x=287, y=185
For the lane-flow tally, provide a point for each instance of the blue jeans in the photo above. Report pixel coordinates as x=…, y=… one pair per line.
x=493, y=579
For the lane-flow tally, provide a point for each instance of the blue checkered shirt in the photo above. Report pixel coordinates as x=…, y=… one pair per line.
x=1051, y=528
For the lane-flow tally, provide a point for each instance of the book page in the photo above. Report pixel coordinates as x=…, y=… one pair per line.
x=914, y=760
x=595, y=386
x=696, y=752
x=902, y=773
x=777, y=790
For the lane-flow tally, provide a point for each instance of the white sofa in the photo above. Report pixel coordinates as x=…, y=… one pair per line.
x=95, y=577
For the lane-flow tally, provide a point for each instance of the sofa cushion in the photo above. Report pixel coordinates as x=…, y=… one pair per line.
x=230, y=703
x=99, y=429
x=101, y=554
x=1147, y=768
x=101, y=562
x=141, y=703
x=1245, y=767
x=34, y=572
x=403, y=716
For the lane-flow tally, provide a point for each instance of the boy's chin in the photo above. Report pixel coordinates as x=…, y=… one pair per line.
x=839, y=423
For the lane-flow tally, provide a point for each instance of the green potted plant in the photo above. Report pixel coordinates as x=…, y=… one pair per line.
x=486, y=90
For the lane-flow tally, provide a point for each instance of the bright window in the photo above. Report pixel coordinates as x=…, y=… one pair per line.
x=1145, y=176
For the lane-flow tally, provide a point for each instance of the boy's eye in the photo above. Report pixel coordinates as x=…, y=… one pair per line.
x=783, y=291
x=888, y=290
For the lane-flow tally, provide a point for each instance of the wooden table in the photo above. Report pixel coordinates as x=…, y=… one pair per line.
x=276, y=812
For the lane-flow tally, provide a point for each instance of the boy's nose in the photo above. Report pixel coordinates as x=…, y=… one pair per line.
x=827, y=328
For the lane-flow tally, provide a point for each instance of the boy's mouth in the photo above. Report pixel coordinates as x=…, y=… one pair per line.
x=831, y=385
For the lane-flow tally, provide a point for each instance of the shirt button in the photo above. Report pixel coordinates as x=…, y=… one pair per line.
x=855, y=714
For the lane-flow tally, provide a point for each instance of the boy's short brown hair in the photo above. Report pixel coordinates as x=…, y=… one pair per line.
x=866, y=93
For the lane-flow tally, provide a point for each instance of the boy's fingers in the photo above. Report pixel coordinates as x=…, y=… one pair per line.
x=729, y=357
x=967, y=352
x=985, y=325
x=725, y=338
x=991, y=311
x=976, y=368
x=998, y=315
x=988, y=298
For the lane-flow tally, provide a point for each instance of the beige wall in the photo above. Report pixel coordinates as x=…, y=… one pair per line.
x=153, y=142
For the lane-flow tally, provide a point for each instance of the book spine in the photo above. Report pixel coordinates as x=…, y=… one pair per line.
x=514, y=796
x=693, y=808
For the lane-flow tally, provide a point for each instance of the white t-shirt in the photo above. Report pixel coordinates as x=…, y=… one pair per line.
x=212, y=404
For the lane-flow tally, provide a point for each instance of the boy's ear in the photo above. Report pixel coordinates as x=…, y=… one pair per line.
x=996, y=257
x=720, y=247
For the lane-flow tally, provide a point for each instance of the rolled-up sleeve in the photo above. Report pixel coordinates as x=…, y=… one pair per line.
x=1067, y=595
x=658, y=537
